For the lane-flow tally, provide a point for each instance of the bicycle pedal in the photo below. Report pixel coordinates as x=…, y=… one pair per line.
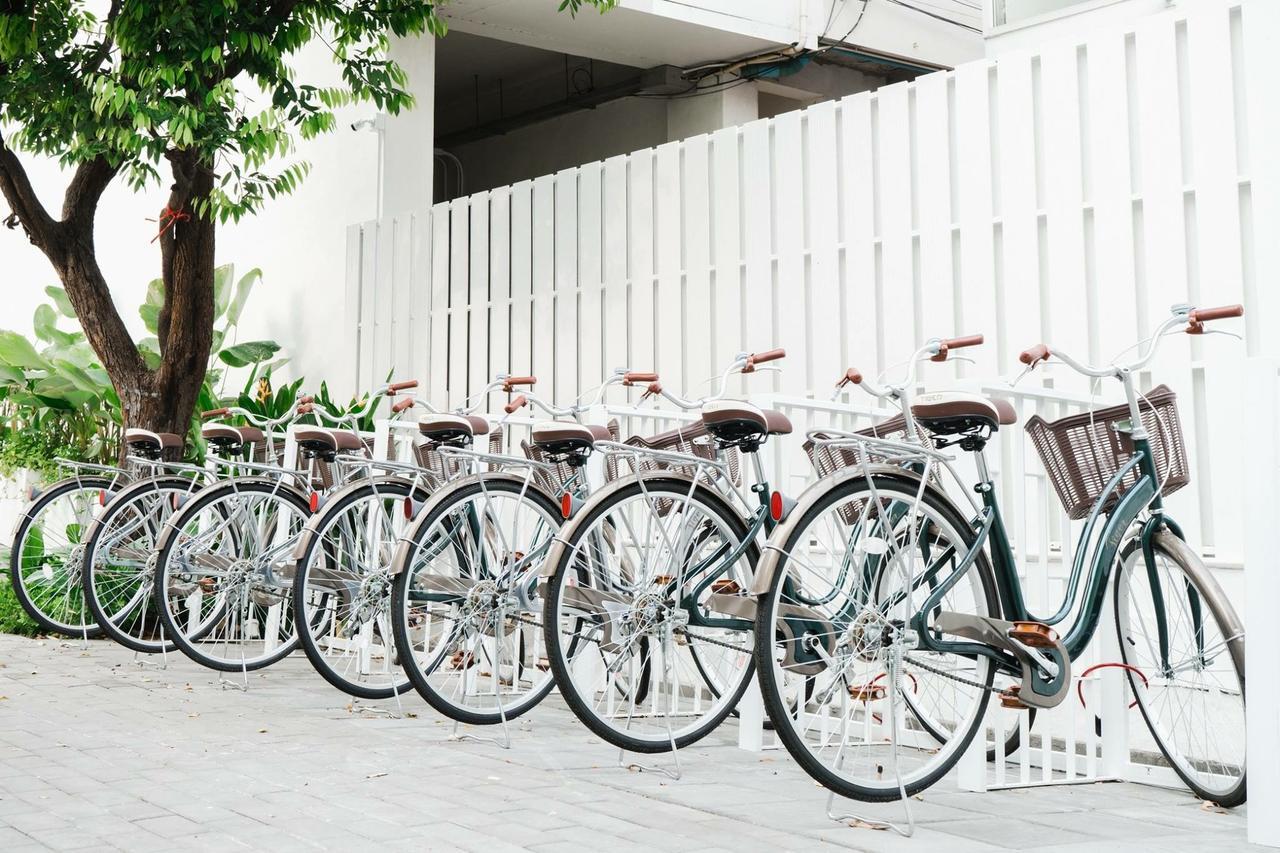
x=1009, y=698
x=726, y=587
x=1035, y=635
x=663, y=580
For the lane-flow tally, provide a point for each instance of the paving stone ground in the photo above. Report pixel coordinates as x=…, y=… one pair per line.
x=99, y=752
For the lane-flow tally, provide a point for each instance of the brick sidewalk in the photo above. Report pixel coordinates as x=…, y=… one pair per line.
x=99, y=752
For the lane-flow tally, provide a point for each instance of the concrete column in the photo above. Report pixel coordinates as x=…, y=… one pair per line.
x=409, y=138
x=690, y=116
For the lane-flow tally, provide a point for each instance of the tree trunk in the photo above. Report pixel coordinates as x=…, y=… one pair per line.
x=160, y=399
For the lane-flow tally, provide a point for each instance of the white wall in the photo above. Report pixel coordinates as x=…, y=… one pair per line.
x=1032, y=23
x=298, y=242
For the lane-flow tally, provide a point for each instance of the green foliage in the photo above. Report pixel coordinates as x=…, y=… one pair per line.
x=212, y=78
x=13, y=619
x=56, y=400
x=366, y=421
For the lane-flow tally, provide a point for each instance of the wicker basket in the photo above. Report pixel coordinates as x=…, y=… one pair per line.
x=442, y=468
x=1083, y=452
x=692, y=439
x=551, y=482
x=827, y=459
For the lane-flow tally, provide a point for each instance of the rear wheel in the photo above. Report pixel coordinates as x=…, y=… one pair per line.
x=342, y=587
x=119, y=577
x=647, y=619
x=224, y=574
x=464, y=606
x=46, y=560
x=1191, y=693
x=849, y=577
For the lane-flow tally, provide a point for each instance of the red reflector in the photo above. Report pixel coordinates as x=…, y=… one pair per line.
x=174, y=500
x=102, y=497
x=775, y=506
x=408, y=509
x=566, y=504
x=315, y=501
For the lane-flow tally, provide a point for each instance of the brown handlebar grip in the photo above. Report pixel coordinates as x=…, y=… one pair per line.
x=1222, y=312
x=963, y=341
x=761, y=357
x=852, y=375
x=946, y=346
x=306, y=408
x=401, y=405
x=396, y=387
x=516, y=402
x=216, y=413
x=1035, y=355
x=512, y=382
x=633, y=377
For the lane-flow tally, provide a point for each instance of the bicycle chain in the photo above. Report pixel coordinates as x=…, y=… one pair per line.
x=951, y=675
x=926, y=667
x=527, y=621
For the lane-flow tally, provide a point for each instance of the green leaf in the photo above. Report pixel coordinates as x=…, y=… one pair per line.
x=155, y=293
x=150, y=317
x=222, y=278
x=61, y=301
x=45, y=323
x=249, y=352
x=17, y=351
x=12, y=376
x=78, y=377
x=243, y=287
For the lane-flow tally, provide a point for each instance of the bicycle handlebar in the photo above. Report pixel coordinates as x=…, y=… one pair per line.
x=1194, y=318
x=516, y=403
x=396, y=387
x=743, y=363
x=934, y=349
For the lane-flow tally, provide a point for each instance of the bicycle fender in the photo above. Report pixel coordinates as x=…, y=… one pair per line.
x=404, y=551
x=768, y=565
x=317, y=521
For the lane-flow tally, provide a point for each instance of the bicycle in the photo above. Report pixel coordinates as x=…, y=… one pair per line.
x=465, y=600
x=46, y=557
x=119, y=559
x=897, y=531
x=344, y=560
x=646, y=616
x=223, y=562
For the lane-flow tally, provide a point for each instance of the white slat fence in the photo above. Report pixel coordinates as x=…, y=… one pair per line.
x=1070, y=195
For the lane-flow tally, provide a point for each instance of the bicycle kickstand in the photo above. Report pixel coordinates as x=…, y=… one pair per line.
x=505, y=741
x=671, y=738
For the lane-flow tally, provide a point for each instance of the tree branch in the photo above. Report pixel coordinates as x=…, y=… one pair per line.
x=277, y=14
x=104, y=49
x=80, y=202
x=17, y=190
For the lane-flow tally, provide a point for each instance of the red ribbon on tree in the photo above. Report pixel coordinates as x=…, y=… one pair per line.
x=168, y=217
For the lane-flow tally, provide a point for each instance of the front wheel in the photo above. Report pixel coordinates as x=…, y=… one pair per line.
x=1187, y=677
